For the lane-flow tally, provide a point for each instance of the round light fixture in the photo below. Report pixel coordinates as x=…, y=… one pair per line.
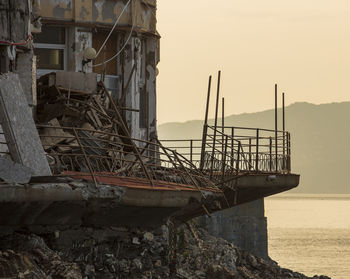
x=89, y=53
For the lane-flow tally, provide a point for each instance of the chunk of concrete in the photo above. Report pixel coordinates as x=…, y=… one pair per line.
x=12, y=172
x=27, y=75
x=19, y=128
x=85, y=82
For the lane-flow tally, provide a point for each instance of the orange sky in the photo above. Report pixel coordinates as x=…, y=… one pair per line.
x=303, y=45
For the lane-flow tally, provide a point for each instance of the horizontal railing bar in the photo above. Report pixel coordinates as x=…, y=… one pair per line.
x=247, y=128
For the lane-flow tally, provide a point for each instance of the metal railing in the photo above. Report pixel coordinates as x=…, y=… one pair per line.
x=235, y=150
x=102, y=153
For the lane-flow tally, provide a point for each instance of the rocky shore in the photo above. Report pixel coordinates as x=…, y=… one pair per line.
x=122, y=253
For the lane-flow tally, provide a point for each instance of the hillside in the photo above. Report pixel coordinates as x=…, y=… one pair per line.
x=320, y=141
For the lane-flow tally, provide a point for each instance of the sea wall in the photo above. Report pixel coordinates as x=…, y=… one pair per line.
x=244, y=225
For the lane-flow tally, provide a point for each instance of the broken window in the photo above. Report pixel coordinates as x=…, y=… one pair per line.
x=50, y=49
x=110, y=49
x=109, y=70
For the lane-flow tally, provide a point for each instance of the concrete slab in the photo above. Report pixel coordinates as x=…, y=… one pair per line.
x=25, y=73
x=77, y=203
x=85, y=82
x=12, y=172
x=19, y=128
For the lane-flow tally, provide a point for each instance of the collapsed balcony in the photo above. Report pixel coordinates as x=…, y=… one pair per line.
x=98, y=169
x=84, y=132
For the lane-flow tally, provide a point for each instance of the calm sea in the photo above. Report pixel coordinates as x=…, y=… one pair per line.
x=310, y=233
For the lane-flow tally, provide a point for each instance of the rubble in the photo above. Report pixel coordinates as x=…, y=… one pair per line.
x=28, y=257
x=86, y=131
x=75, y=124
x=114, y=253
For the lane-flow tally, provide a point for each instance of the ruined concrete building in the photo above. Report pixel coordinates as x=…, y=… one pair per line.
x=60, y=32
x=78, y=139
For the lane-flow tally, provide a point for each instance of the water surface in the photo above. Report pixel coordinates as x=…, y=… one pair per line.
x=310, y=233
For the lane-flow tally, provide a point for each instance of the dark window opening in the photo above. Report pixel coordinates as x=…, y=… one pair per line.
x=50, y=59
x=50, y=49
x=51, y=35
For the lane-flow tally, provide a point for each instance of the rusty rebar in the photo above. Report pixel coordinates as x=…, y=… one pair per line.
x=276, y=123
x=215, y=123
x=126, y=131
x=85, y=156
x=205, y=127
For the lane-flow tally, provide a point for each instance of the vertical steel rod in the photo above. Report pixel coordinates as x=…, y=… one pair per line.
x=270, y=154
x=250, y=153
x=276, y=149
x=191, y=152
x=232, y=146
x=284, y=131
x=238, y=157
x=215, y=123
x=85, y=156
x=223, y=124
x=289, y=152
x=224, y=160
x=205, y=127
x=257, y=151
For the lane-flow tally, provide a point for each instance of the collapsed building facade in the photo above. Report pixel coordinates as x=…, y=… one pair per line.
x=79, y=145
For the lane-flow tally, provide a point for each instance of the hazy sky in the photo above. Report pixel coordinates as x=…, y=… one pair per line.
x=303, y=45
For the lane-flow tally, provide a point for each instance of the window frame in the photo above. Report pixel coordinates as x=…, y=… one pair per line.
x=63, y=47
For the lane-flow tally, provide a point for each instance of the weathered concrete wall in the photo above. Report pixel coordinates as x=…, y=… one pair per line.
x=100, y=11
x=14, y=28
x=140, y=94
x=14, y=20
x=244, y=225
x=131, y=58
x=78, y=40
x=152, y=60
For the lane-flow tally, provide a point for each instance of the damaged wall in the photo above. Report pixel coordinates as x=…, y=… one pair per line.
x=15, y=49
x=244, y=225
x=104, y=12
x=133, y=71
x=14, y=20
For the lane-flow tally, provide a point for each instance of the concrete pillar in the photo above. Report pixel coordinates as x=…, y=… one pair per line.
x=244, y=225
x=132, y=98
x=141, y=93
x=26, y=71
x=78, y=41
x=152, y=59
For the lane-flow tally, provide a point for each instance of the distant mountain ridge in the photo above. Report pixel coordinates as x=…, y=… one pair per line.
x=320, y=141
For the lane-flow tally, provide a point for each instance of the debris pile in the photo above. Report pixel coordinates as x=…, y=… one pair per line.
x=28, y=257
x=73, y=124
x=85, y=131
x=132, y=253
